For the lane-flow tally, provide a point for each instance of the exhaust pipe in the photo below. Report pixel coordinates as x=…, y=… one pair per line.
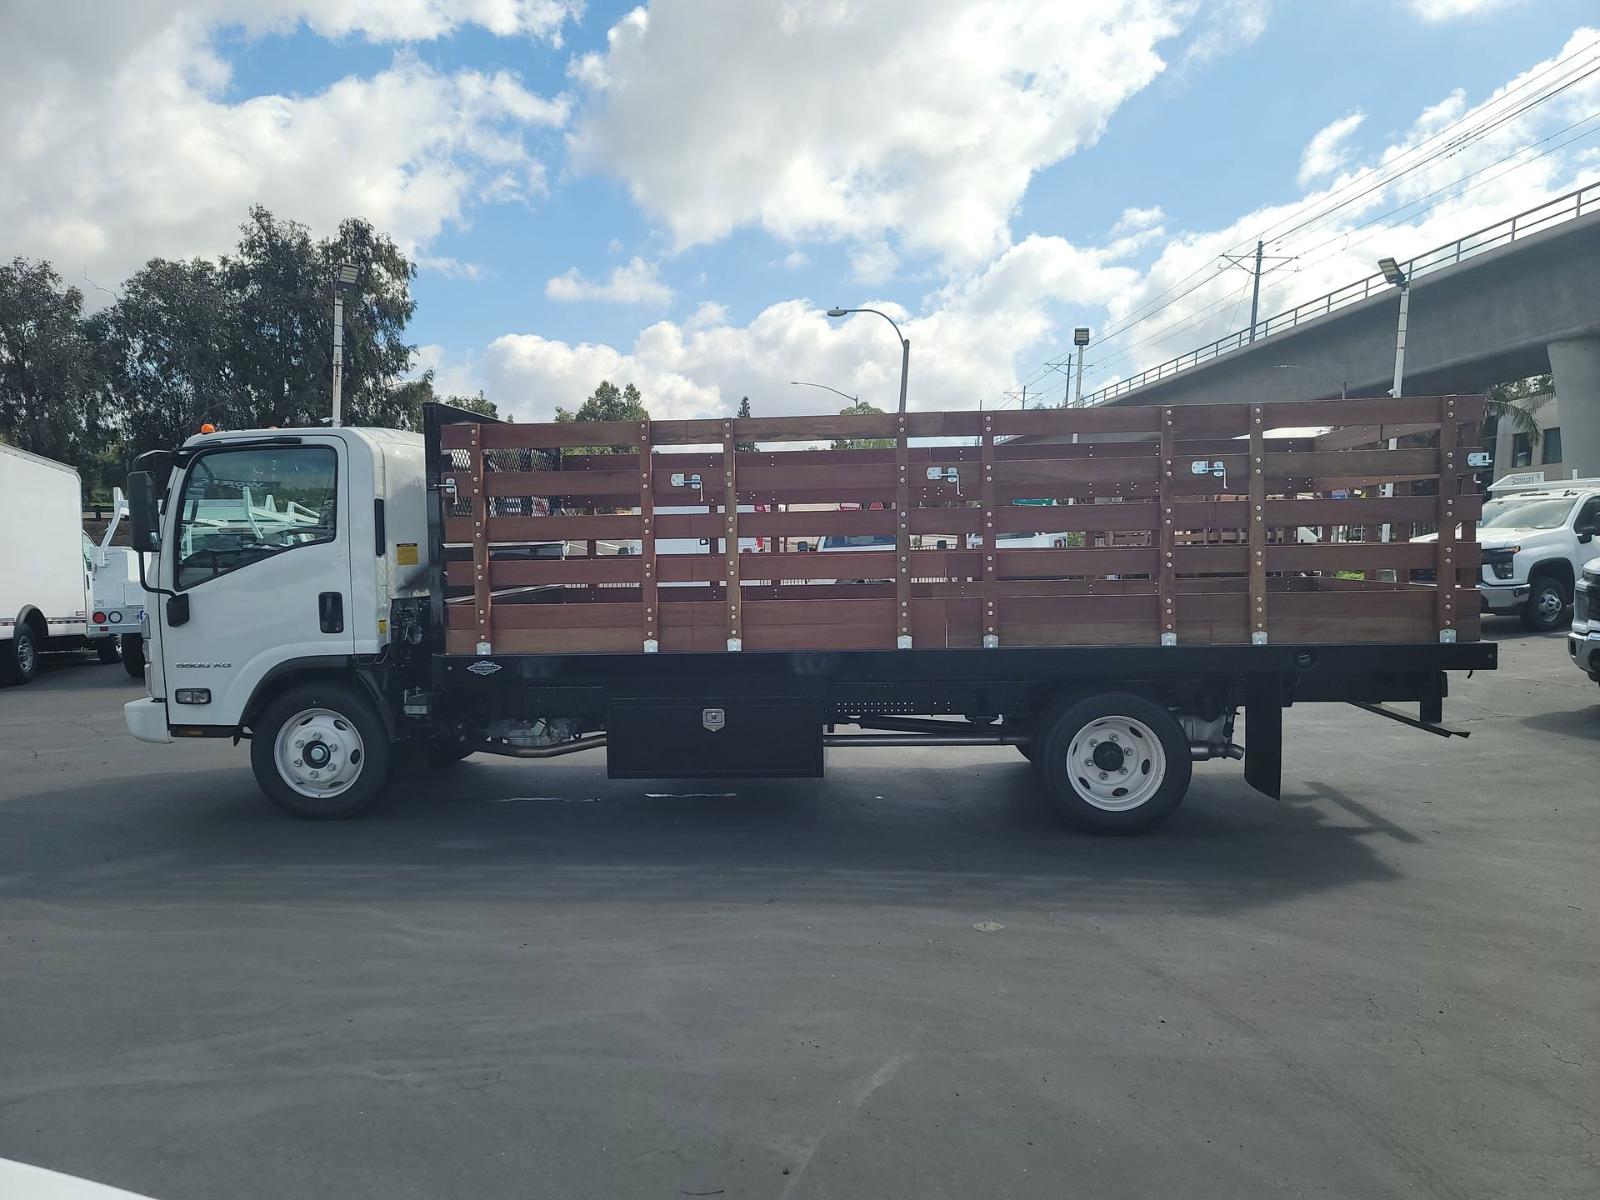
x=591, y=741
x=1202, y=751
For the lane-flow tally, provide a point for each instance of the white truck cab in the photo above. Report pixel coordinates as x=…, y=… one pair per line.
x=1583, y=640
x=1535, y=536
x=280, y=551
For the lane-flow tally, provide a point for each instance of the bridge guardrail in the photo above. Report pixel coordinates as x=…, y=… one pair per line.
x=1567, y=207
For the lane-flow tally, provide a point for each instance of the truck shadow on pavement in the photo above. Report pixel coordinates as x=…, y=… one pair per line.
x=974, y=832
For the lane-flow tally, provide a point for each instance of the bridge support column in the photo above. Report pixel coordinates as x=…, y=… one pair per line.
x=1575, y=366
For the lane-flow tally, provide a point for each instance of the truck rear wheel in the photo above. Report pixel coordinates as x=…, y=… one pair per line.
x=19, y=656
x=133, y=655
x=1115, y=763
x=107, y=650
x=320, y=752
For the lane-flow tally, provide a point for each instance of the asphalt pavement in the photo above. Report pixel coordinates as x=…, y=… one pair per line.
x=526, y=980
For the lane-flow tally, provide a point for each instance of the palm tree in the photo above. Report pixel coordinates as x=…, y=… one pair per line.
x=1518, y=402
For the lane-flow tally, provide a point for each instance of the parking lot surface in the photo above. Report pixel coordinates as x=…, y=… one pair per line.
x=526, y=980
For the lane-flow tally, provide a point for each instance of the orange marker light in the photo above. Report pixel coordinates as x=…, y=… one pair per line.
x=208, y=427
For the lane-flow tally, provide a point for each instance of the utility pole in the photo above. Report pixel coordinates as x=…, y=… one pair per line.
x=1239, y=260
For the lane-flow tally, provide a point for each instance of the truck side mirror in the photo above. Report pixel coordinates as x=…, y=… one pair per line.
x=143, y=514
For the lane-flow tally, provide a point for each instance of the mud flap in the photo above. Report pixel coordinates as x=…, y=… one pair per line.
x=1263, y=734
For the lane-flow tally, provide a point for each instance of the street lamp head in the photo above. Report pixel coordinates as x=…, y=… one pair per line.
x=837, y=312
x=1392, y=272
x=1080, y=336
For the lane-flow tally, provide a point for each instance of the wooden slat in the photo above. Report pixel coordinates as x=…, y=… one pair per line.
x=990, y=615
x=1257, y=613
x=649, y=622
x=608, y=526
x=1450, y=460
x=1423, y=461
x=1166, y=523
x=902, y=535
x=730, y=540
x=482, y=601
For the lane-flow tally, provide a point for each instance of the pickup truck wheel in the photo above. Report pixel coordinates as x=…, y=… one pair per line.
x=1546, y=608
x=1115, y=763
x=320, y=752
x=19, y=657
x=133, y=655
x=107, y=650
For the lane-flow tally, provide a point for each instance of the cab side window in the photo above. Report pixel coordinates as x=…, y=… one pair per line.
x=1588, y=519
x=239, y=507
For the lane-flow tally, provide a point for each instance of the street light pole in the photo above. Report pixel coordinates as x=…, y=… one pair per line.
x=1080, y=339
x=905, y=345
x=344, y=279
x=1393, y=273
x=826, y=388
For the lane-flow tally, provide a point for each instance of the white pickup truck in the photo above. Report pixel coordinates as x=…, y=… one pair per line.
x=1536, y=536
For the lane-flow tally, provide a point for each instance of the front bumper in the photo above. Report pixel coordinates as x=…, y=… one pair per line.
x=147, y=720
x=1585, y=651
x=1503, y=598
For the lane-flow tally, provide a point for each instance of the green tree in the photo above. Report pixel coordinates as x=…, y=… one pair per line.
x=606, y=403
x=281, y=281
x=409, y=397
x=174, y=342
x=52, y=365
x=859, y=409
x=742, y=414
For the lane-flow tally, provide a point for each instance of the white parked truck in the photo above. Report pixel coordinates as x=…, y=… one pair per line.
x=347, y=599
x=1535, y=537
x=44, y=579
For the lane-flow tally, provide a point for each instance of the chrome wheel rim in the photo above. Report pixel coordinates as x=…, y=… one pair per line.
x=319, y=753
x=1116, y=763
x=1550, y=604
x=26, y=657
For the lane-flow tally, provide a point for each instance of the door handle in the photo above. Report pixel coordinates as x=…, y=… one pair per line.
x=330, y=612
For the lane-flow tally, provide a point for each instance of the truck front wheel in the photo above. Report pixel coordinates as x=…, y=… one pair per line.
x=133, y=655
x=1116, y=763
x=320, y=751
x=1547, y=605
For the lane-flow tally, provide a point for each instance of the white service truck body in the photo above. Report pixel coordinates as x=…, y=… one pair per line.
x=45, y=582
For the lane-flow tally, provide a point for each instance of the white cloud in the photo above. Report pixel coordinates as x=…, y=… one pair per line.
x=450, y=268
x=1226, y=26
x=1449, y=10
x=796, y=259
x=1338, y=230
x=1329, y=148
x=921, y=120
x=635, y=282
x=969, y=336
x=119, y=139
x=965, y=347
x=873, y=263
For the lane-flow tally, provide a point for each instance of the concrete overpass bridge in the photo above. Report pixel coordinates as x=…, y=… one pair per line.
x=1519, y=298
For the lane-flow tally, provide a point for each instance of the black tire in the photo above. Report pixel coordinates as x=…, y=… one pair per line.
x=107, y=650
x=342, y=710
x=133, y=654
x=19, y=656
x=1143, y=737
x=1548, y=606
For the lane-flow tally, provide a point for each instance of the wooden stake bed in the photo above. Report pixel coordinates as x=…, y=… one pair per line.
x=963, y=530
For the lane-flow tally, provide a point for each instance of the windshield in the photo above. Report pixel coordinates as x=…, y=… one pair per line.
x=1526, y=512
x=240, y=506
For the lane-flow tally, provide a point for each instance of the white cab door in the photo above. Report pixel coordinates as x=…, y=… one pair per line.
x=260, y=549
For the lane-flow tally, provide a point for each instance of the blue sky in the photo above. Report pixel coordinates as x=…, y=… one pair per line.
x=994, y=171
